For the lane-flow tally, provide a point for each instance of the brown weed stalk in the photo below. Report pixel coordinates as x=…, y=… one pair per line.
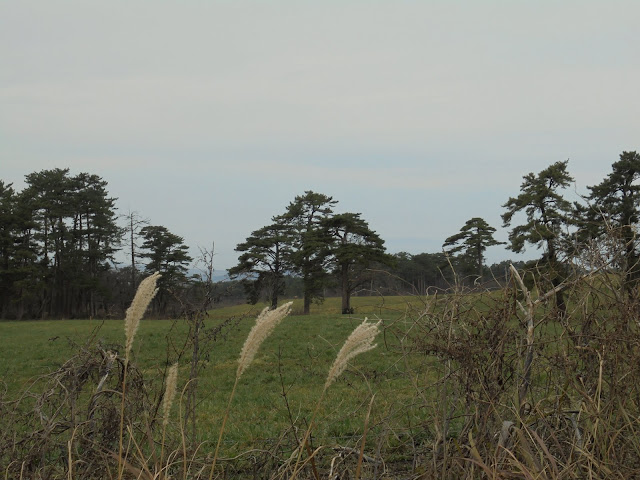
x=167, y=401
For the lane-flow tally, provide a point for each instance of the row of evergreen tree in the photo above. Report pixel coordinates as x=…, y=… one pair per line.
x=310, y=241
x=311, y=251
x=59, y=236
x=599, y=232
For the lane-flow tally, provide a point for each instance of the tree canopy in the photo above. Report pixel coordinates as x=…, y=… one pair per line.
x=165, y=253
x=305, y=219
x=311, y=241
x=263, y=262
x=68, y=225
x=354, y=248
x=614, y=211
x=475, y=236
x=59, y=238
x=547, y=213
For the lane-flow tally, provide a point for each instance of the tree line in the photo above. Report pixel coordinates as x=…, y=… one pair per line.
x=604, y=224
x=59, y=237
x=310, y=241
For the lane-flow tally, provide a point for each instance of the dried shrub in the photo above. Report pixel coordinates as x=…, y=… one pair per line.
x=73, y=412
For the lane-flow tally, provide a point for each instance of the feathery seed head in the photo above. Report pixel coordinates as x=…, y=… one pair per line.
x=145, y=293
x=265, y=323
x=360, y=341
x=169, y=392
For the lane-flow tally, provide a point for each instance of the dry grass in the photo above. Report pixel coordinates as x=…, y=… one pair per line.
x=265, y=323
x=360, y=341
x=508, y=388
x=169, y=392
x=145, y=293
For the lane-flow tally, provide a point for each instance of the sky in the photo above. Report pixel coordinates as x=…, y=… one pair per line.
x=209, y=117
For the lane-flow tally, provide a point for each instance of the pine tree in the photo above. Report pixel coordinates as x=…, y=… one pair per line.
x=547, y=216
x=165, y=253
x=310, y=241
x=473, y=239
x=263, y=262
x=354, y=248
x=72, y=237
x=614, y=209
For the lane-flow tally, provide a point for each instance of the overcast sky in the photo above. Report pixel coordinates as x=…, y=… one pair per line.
x=210, y=117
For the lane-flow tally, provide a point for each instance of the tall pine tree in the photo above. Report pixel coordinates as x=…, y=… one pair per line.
x=310, y=240
x=166, y=253
x=614, y=210
x=547, y=216
x=264, y=260
x=473, y=240
x=354, y=249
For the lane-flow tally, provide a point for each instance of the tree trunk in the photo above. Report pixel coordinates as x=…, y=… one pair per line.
x=307, y=295
x=307, y=304
x=556, y=279
x=562, y=307
x=346, y=294
x=20, y=307
x=133, y=255
x=631, y=267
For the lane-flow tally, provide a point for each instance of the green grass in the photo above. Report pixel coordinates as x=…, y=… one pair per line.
x=296, y=357
x=461, y=366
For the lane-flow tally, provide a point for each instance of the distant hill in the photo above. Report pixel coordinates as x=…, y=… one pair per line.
x=218, y=276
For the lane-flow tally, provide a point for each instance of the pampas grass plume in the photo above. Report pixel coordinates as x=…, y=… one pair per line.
x=265, y=323
x=145, y=293
x=360, y=341
x=169, y=392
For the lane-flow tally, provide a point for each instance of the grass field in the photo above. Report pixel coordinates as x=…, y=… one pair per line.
x=475, y=385
x=294, y=361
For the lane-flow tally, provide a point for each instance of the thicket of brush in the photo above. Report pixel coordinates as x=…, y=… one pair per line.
x=510, y=385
